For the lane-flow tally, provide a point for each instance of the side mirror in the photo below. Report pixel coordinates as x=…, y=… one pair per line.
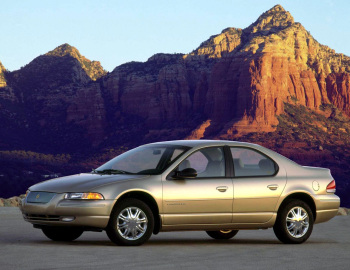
x=186, y=173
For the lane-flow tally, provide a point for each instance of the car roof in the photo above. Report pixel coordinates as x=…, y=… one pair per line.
x=198, y=143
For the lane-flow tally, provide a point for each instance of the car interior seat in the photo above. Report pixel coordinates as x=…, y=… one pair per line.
x=215, y=166
x=266, y=166
x=238, y=167
x=184, y=165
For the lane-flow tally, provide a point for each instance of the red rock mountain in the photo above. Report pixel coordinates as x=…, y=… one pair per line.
x=234, y=83
x=273, y=61
x=271, y=83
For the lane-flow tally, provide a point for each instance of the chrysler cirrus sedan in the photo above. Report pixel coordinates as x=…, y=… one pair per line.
x=219, y=187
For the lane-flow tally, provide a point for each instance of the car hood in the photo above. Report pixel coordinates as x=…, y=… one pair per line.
x=83, y=182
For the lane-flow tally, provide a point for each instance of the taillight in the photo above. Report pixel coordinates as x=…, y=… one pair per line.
x=331, y=187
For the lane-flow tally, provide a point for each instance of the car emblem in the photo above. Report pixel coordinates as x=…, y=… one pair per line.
x=37, y=196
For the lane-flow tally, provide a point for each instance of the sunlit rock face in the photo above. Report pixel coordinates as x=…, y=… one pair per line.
x=234, y=83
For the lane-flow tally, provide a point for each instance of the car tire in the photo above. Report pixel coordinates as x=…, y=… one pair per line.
x=131, y=223
x=222, y=234
x=294, y=222
x=62, y=233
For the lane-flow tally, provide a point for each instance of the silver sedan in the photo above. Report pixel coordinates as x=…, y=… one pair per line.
x=219, y=187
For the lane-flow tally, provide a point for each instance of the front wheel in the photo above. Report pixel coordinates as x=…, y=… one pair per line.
x=294, y=222
x=131, y=223
x=62, y=233
x=222, y=234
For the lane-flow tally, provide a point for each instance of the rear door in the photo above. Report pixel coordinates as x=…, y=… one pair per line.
x=258, y=184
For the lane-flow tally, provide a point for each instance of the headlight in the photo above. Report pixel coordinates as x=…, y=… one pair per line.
x=84, y=196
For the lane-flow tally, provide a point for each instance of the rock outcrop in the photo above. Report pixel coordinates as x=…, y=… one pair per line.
x=252, y=84
x=2, y=76
x=54, y=101
x=92, y=68
x=219, y=45
x=6, y=93
x=343, y=211
x=338, y=90
x=11, y=202
x=278, y=61
x=236, y=82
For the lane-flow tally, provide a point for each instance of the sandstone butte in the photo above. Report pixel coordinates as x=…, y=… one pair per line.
x=234, y=83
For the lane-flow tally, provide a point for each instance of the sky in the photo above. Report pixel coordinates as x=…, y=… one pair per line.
x=115, y=32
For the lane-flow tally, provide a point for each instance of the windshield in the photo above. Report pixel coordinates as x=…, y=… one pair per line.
x=149, y=159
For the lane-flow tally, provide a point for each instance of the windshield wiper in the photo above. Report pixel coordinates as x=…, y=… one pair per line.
x=111, y=171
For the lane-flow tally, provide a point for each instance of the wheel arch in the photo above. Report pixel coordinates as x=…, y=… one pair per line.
x=305, y=197
x=146, y=198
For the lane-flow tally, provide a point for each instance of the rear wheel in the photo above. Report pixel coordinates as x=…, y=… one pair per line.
x=62, y=233
x=294, y=222
x=131, y=223
x=222, y=234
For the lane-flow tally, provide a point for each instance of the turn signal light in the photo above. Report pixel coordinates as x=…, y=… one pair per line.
x=331, y=187
x=92, y=196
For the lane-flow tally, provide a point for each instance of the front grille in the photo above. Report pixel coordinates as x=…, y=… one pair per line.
x=41, y=217
x=40, y=197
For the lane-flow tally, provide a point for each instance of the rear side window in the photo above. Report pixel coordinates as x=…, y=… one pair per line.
x=248, y=162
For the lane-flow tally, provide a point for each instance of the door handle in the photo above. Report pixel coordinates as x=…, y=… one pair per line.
x=273, y=187
x=222, y=188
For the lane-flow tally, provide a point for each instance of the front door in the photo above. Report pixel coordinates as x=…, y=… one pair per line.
x=205, y=199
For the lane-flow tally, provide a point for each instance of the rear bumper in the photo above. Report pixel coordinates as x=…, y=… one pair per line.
x=93, y=214
x=325, y=215
x=327, y=207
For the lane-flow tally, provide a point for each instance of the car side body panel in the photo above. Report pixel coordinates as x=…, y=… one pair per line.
x=313, y=182
x=197, y=201
x=190, y=204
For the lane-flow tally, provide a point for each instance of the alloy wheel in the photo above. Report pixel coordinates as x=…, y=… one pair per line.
x=297, y=222
x=132, y=223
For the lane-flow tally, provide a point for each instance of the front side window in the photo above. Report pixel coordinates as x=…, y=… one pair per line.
x=248, y=162
x=208, y=162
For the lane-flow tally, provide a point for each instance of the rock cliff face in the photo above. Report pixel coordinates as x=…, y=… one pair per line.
x=219, y=45
x=234, y=83
x=239, y=79
x=2, y=76
x=277, y=61
x=338, y=90
x=53, y=103
x=92, y=68
x=271, y=83
x=6, y=93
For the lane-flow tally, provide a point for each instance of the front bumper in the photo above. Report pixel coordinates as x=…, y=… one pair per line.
x=86, y=213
